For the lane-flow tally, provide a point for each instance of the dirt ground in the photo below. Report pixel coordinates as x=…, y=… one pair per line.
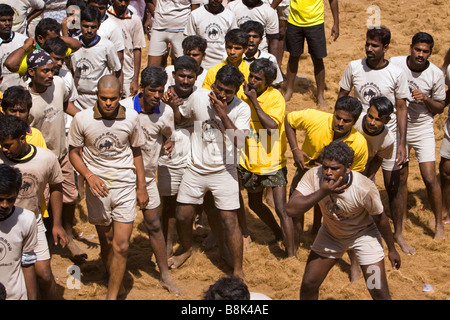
x=266, y=269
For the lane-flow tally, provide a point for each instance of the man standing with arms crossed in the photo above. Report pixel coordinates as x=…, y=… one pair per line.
x=105, y=149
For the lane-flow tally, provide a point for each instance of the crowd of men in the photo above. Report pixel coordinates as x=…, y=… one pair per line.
x=202, y=122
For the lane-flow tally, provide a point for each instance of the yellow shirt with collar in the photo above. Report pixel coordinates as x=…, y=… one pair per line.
x=319, y=133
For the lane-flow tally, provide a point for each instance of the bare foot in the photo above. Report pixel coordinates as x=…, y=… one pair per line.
x=322, y=104
x=210, y=241
x=176, y=261
x=440, y=233
x=406, y=248
x=246, y=242
x=168, y=284
x=78, y=256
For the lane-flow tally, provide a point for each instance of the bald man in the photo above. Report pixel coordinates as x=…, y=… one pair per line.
x=104, y=147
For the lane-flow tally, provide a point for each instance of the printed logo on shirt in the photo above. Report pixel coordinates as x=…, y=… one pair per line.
x=211, y=130
x=213, y=31
x=84, y=68
x=50, y=113
x=29, y=186
x=412, y=86
x=370, y=90
x=107, y=144
x=4, y=248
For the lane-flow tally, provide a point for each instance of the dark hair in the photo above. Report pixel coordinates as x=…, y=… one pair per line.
x=383, y=105
x=267, y=66
x=80, y=3
x=11, y=179
x=349, y=104
x=381, y=33
x=16, y=95
x=423, y=37
x=90, y=14
x=6, y=10
x=338, y=151
x=237, y=36
x=228, y=288
x=251, y=25
x=55, y=45
x=230, y=75
x=12, y=126
x=153, y=76
x=107, y=2
x=45, y=26
x=187, y=63
x=194, y=42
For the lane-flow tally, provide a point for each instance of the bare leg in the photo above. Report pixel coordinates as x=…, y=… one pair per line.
x=282, y=27
x=287, y=225
x=355, y=271
x=319, y=74
x=291, y=74
x=169, y=206
x=233, y=238
x=257, y=206
x=185, y=218
x=444, y=174
x=428, y=172
x=393, y=184
x=68, y=217
x=46, y=280
x=376, y=281
x=153, y=225
x=316, y=270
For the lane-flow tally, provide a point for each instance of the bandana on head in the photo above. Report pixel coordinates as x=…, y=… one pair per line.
x=38, y=58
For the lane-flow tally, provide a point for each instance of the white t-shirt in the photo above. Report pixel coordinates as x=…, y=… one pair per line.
x=432, y=84
x=347, y=214
x=381, y=144
x=264, y=14
x=172, y=14
x=107, y=145
x=41, y=169
x=212, y=149
x=6, y=48
x=91, y=63
x=388, y=81
x=110, y=30
x=18, y=235
x=156, y=127
x=21, y=10
x=171, y=81
x=213, y=28
x=47, y=115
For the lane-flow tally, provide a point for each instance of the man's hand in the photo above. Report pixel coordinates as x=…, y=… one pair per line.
x=419, y=96
x=142, y=197
x=168, y=147
x=394, y=257
x=171, y=98
x=219, y=106
x=250, y=91
x=299, y=158
x=400, y=158
x=329, y=185
x=97, y=186
x=335, y=32
x=134, y=87
x=58, y=232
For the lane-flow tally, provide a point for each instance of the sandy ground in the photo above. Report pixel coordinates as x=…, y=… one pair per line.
x=265, y=267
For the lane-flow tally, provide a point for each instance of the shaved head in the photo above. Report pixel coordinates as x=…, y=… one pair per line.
x=109, y=82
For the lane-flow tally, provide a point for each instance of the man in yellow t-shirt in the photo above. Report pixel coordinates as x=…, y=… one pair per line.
x=236, y=44
x=321, y=128
x=263, y=163
x=306, y=21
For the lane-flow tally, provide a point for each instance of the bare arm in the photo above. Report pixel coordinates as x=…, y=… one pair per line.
x=13, y=61
x=298, y=154
x=141, y=186
x=372, y=166
x=342, y=93
x=385, y=229
x=134, y=86
x=29, y=274
x=402, y=119
x=335, y=11
x=434, y=106
x=56, y=202
x=267, y=122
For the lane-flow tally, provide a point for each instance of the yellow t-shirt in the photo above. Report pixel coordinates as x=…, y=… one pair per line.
x=211, y=76
x=24, y=66
x=265, y=153
x=319, y=133
x=306, y=13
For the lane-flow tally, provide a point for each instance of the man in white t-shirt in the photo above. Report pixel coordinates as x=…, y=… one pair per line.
x=134, y=39
x=444, y=165
x=169, y=22
x=96, y=58
x=221, y=122
x=25, y=11
x=156, y=120
x=9, y=42
x=18, y=238
x=376, y=76
x=39, y=167
x=427, y=86
x=212, y=21
x=257, y=10
x=105, y=149
x=353, y=219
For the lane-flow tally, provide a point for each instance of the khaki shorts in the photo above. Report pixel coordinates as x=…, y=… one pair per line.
x=119, y=206
x=223, y=185
x=153, y=195
x=368, y=247
x=159, y=41
x=69, y=185
x=254, y=183
x=423, y=142
x=169, y=180
x=42, y=251
x=445, y=145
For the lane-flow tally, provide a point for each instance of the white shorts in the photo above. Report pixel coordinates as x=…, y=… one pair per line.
x=119, y=205
x=445, y=145
x=423, y=141
x=169, y=180
x=159, y=41
x=368, y=247
x=223, y=185
x=153, y=195
x=42, y=251
x=389, y=164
